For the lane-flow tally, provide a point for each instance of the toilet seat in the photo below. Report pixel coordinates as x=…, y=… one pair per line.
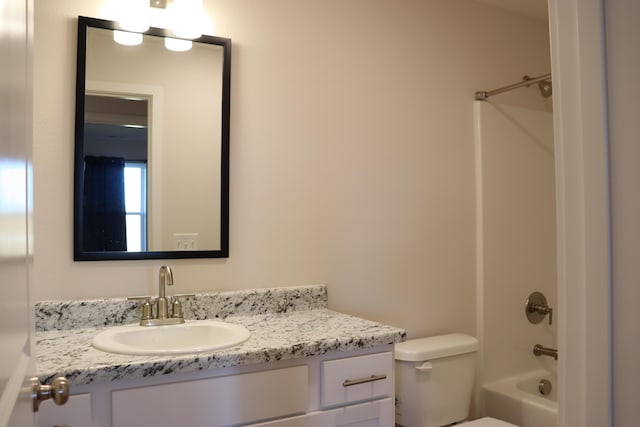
x=487, y=422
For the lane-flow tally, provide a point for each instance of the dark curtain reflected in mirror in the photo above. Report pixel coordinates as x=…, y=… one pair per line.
x=104, y=211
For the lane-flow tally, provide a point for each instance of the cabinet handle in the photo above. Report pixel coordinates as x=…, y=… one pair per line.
x=348, y=383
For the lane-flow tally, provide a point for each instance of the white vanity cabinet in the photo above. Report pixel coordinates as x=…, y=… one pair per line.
x=336, y=389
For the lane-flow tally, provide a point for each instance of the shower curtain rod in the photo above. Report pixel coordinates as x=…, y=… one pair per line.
x=483, y=95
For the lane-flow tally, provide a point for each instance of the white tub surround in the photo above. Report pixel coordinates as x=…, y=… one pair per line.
x=285, y=324
x=518, y=400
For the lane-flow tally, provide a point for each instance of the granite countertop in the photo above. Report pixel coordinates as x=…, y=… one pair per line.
x=285, y=323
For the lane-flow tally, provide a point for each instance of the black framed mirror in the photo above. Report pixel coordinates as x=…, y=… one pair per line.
x=151, y=146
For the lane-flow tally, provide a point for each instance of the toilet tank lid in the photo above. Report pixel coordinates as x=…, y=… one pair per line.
x=435, y=347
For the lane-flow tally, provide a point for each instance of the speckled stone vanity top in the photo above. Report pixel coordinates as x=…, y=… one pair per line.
x=285, y=323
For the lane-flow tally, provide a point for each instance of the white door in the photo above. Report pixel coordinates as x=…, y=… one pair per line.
x=15, y=241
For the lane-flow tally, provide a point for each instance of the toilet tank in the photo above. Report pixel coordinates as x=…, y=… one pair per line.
x=434, y=379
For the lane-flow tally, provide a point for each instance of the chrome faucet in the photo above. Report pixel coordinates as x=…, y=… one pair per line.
x=165, y=278
x=162, y=317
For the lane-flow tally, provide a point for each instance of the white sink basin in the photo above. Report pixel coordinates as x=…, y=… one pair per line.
x=189, y=337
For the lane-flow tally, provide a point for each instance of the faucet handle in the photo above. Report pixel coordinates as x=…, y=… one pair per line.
x=146, y=307
x=184, y=295
x=176, y=309
x=176, y=305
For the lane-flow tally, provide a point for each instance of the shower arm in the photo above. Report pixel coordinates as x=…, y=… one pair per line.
x=483, y=95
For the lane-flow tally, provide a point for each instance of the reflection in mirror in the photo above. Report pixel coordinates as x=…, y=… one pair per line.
x=115, y=141
x=152, y=135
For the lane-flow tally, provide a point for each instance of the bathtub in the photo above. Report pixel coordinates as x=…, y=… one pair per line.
x=519, y=401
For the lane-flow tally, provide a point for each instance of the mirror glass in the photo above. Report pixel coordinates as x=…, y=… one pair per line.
x=152, y=147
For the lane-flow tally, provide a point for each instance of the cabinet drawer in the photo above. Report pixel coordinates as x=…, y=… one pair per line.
x=214, y=402
x=357, y=378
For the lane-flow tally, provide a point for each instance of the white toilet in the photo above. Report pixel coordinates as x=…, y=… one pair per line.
x=434, y=382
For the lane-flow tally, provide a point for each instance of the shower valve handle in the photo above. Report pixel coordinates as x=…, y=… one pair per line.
x=542, y=309
x=536, y=308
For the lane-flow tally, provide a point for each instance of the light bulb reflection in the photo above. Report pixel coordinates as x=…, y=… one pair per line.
x=127, y=39
x=188, y=18
x=134, y=15
x=177, y=45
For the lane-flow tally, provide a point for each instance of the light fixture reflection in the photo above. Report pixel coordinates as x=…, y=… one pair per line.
x=187, y=18
x=13, y=176
x=126, y=38
x=134, y=15
x=133, y=126
x=177, y=45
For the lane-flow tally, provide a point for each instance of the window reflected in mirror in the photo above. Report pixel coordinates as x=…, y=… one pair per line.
x=115, y=165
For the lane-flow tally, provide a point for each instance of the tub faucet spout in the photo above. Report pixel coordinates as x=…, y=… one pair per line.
x=539, y=350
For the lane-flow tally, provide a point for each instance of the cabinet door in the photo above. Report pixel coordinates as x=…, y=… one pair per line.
x=214, y=402
x=75, y=413
x=378, y=413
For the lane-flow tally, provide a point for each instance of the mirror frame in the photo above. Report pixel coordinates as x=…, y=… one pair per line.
x=78, y=253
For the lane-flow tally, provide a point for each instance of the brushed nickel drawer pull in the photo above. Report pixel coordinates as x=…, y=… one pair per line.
x=348, y=383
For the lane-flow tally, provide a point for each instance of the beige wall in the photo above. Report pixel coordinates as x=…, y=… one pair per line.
x=351, y=153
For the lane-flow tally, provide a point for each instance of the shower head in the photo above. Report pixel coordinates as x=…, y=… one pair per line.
x=545, y=88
